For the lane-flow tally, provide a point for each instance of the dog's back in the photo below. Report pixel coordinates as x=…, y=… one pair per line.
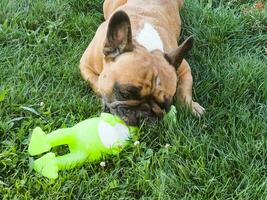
x=162, y=14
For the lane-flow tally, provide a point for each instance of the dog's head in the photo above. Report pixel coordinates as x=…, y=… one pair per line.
x=136, y=83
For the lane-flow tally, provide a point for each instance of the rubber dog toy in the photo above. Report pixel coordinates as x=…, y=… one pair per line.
x=89, y=140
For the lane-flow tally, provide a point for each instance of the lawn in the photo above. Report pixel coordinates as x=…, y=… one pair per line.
x=220, y=156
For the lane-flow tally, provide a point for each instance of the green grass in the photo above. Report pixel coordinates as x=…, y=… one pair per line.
x=221, y=156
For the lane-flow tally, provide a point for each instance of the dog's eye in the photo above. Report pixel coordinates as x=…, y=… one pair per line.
x=126, y=92
x=125, y=95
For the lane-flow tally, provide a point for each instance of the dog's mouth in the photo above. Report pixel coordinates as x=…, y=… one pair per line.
x=135, y=111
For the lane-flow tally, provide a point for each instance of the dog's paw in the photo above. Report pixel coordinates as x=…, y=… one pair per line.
x=197, y=109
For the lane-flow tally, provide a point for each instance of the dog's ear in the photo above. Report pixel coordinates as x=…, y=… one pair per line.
x=176, y=57
x=119, y=35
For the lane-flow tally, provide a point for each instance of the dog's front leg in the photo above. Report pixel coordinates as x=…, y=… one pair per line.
x=184, y=89
x=91, y=63
x=90, y=76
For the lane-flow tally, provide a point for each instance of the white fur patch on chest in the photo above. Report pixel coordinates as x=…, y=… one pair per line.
x=150, y=38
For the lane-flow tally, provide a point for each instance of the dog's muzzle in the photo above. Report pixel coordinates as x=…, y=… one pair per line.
x=134, y=111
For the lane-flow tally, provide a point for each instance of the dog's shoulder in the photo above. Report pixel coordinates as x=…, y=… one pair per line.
x=93, y=55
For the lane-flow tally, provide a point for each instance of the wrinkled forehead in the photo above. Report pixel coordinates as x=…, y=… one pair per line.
x=136, y=61
x=128, y=71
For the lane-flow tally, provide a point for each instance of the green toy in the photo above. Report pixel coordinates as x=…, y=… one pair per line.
x=89, y=140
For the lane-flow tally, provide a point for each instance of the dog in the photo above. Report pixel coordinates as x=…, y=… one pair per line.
x=134, y=62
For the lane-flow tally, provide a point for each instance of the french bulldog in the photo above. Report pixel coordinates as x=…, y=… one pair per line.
x=134, y=62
